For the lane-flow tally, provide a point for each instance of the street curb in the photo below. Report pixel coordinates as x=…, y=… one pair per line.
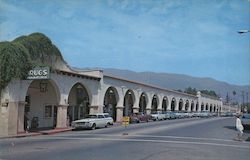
x=30, y=134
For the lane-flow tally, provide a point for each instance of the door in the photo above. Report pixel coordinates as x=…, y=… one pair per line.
x=55, y=116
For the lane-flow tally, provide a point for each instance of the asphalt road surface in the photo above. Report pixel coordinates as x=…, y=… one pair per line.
x=183, y=139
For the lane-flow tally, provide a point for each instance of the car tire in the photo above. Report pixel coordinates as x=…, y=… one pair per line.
x=93, y=126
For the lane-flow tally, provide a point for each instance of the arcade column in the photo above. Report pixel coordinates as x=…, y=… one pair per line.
x=119, y=113
x=21, y=106
x=62, y=116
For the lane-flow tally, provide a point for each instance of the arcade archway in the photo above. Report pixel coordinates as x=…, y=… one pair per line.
x=40, y=110
x=164, y=104
x=202, y=107
x=129, y=99
x=110, y=102
x=192, y=106
x=173, y=104
x=78, y=103
x=143, y=103
x=154, y=104
x=180, y=105
x=186, y=105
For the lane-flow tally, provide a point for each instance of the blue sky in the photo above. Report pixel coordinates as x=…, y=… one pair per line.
x=192, y=37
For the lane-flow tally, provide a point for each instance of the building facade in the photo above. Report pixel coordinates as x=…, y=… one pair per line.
x=69, y=95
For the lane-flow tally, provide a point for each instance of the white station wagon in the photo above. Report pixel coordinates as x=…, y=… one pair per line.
x=93, y=121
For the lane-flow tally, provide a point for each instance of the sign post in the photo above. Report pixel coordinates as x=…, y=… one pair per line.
x=125, y=123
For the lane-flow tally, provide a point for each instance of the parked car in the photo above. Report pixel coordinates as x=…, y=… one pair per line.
x=167, y=115
x=157, y=116
x=139, y=117
x=110, y=120
x=173, y=115
x=203, y=114
x=178, y=115
x=93, y=121
x=245, y=120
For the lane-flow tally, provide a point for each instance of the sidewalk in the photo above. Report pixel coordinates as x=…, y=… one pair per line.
x=36, y=133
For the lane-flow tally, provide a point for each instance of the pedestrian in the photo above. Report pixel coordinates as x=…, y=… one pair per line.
x=26, y=122
x=239, y=128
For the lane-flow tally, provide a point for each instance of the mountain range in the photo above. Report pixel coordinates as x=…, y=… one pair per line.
x=181, y=82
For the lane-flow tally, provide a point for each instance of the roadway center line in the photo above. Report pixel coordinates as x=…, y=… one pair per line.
x=154, y=136
x=152, y=141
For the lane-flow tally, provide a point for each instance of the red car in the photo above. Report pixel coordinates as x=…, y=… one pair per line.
x=139, y=117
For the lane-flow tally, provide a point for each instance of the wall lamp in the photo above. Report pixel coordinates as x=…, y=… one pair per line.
x=43, y=86
x=5, y=103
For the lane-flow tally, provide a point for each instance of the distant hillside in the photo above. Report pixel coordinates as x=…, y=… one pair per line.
x=179, y=81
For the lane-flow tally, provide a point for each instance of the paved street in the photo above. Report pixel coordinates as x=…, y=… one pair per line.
x=194, y=139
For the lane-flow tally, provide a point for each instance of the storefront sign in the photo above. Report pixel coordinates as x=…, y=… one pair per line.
x=39, y=73
x=125, y=121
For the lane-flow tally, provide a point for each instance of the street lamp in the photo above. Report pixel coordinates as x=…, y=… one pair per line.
x=243, y=31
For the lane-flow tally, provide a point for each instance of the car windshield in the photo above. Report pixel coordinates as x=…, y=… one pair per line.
x=246, y=116
x=92, y=116
x=155, y=112
x=107, y=116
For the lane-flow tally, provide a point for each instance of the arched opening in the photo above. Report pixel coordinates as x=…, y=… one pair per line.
x=192, y=106
x=207, y=107
x=78, y=103
x=143, y=103
x=40, y=111
x=186, y=105
x=214, y=108
x=110, y=102
x=211, y=108
x=202, y=106
x=164, y=104
x=173, y=104
x=197, y=107
x=180, y=104
x=154, y=104
x=128, y=103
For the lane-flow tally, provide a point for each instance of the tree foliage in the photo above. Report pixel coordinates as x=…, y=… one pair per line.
x=14, y=62
x=191, y=90
x=42, y=51
x=210, y=93
x=22, y=54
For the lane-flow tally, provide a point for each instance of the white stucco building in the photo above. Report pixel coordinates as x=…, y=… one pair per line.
x=68, y=94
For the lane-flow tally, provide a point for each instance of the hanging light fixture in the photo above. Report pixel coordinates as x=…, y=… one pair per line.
x=43, y=86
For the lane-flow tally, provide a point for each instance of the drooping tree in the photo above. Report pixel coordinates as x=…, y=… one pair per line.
x=14, y=62
x=23, y=53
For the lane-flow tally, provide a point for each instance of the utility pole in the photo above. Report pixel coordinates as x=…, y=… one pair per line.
x=247, y=98
x=242, y=106
x=247, y=104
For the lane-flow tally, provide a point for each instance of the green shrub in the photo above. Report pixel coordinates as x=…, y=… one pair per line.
x=22, y=54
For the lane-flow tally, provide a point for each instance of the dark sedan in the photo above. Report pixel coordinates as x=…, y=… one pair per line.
x=139, y=117
x=245, y=120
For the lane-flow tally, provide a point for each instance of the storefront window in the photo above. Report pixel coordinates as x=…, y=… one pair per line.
x=48, y=111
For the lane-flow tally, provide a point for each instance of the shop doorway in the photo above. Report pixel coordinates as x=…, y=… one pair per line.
x=40, y=111
x=110, y=102
x=78, y=103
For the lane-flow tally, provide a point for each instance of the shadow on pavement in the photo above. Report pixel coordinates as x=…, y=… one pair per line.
x=248, y=139
x=230, y=127
x=246, y=130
